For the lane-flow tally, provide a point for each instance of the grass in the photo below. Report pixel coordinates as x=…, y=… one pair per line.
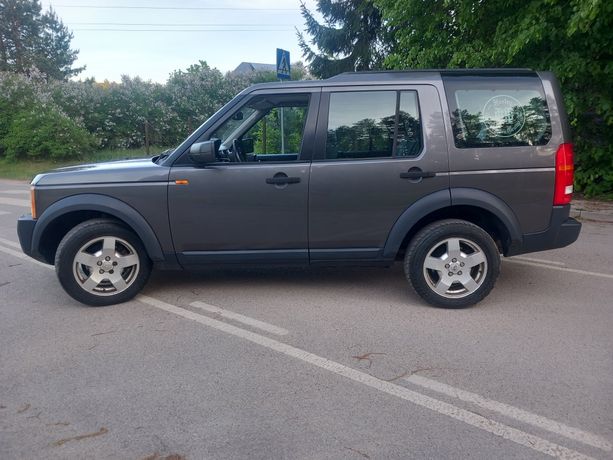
x=26, y=170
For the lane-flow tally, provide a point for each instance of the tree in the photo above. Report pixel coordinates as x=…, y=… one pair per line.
x=352, y=37
x=572, y=38
x=32, y=39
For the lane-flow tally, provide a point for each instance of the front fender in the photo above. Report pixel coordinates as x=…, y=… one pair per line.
x=100, y=203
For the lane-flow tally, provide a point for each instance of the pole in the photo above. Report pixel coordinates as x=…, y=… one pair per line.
x=282, y=125
x=282, y=132
x=147, y=140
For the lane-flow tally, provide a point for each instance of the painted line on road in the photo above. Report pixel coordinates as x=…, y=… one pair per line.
x=539, y=261
x=491, y=426
x=2, y=213
x=15, y=192
x=21, y=255
x=15, y=202
x=563, y=269
x=240, y=318
x=10, y=243
x=507, y=410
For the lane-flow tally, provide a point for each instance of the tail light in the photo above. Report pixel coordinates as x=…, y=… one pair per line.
x=565, y=172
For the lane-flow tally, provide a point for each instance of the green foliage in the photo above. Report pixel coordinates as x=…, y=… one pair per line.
x=352, y=37
x=266, y=133
x=45, y=134
x=32, y=125
x=30, y=39
x=129, y=114
x=571, y=38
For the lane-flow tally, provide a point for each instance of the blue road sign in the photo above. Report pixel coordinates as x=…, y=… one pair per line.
x=283, y=65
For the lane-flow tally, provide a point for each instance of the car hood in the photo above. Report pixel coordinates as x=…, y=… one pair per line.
x=140, y=170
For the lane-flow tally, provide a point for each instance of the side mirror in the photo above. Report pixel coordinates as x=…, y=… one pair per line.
x=205, y=152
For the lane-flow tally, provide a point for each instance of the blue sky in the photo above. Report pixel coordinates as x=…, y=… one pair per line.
x=239, y=30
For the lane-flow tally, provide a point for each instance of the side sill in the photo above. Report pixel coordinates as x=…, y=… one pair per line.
x=255, y=257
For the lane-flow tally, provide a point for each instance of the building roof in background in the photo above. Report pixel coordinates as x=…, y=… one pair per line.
x=251, y=67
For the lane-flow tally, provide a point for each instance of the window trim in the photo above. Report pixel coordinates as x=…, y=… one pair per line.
x=324, y=118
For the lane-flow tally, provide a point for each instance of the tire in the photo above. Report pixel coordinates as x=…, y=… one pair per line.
x=100, y=262
x=452, y=263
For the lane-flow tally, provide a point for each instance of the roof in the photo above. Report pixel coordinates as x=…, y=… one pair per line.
x=251, y=67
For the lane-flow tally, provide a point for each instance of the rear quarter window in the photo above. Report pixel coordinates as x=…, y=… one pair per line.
x=497, y=111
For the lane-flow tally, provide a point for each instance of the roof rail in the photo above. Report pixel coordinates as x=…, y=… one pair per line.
x=362, y=73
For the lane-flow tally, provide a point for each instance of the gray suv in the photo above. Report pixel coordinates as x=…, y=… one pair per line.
x=442, y=170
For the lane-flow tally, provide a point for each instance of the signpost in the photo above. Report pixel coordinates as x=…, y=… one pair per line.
x=283, y=65
x=283, y=73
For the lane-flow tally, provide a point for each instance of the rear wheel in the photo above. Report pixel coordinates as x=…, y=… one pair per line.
x=100, y=262
x=452, y=263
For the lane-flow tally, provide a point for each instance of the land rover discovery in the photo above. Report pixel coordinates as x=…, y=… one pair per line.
x=441, y=170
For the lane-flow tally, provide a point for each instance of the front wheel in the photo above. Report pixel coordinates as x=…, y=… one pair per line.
x=100, y=262
x=452, y=263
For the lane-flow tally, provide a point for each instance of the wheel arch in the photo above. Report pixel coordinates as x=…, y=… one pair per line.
x=67, y=212
x=473, y=205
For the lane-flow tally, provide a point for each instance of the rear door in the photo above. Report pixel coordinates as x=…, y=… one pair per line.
x=378, y=151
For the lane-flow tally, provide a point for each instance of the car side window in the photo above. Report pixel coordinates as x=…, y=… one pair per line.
x=265, y=128
x=502, y=112
x=280, y=131
x=373, y=124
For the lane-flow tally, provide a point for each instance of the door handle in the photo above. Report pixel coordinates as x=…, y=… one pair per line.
x=280, y=180
x=416, y=174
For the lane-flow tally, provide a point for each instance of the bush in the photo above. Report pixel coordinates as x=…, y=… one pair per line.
x=45, y=134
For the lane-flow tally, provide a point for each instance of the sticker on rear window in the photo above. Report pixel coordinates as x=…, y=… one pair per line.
x=503, y=115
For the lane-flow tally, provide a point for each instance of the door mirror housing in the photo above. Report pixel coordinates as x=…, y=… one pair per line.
x=205, y=152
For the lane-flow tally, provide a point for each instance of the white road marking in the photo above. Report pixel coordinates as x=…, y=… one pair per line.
x=15, y=192
x=14, y=202
x=21, y=255
x=564, y=269
x=241, y=318
x=513, y=412
x=539, y=261
x=10, y=243
x=491, y=426
x=2, y=213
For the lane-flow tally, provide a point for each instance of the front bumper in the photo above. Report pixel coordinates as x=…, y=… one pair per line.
x=25, y=231
x=563, y=230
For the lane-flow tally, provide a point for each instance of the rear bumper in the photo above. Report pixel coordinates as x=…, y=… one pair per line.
x=563, y=230
x=25, y=230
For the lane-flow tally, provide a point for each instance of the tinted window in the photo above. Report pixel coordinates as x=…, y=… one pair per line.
x=364, y=124
x=409, y=129
x=498, y=111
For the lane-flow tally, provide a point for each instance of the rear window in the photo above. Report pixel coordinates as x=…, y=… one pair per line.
x=497, y=111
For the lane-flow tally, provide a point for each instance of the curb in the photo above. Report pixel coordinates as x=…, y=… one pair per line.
x=579, y=212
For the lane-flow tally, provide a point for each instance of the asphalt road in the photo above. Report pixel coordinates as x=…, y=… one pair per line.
x=308, y=364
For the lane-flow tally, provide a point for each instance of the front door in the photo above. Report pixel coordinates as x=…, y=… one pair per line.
x=378, y=151
x=250, y=206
